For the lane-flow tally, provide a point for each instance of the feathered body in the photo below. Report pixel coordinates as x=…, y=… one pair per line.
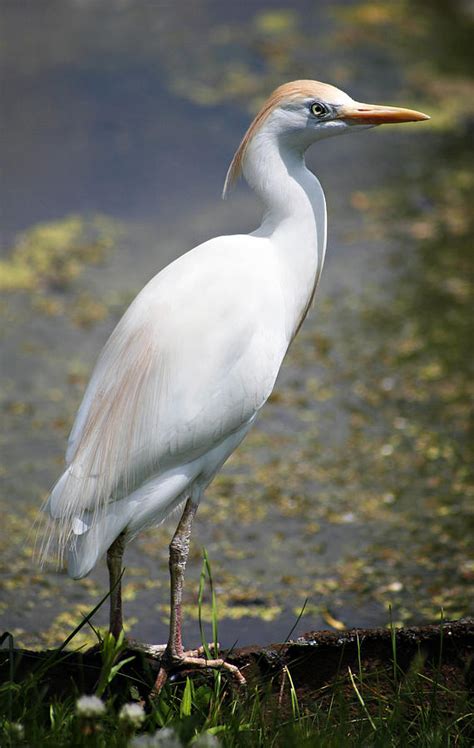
x=194, y=358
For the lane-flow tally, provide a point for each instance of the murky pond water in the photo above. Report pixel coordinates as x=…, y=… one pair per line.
x=353, y=490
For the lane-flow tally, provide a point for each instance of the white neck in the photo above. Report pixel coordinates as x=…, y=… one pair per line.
x=276, y=171
x=294, y=218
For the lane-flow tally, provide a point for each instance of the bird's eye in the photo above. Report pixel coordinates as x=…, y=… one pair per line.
x=319, y=110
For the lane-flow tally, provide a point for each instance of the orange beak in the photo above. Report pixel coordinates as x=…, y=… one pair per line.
x=372, y=114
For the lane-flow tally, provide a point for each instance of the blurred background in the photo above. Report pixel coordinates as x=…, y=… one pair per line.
x=353, y=491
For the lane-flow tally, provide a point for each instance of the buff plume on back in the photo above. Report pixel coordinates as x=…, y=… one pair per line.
x=108, y=436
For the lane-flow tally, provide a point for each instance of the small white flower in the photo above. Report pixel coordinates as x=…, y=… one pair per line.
x=132, y=715
x=164, y=738
x=16, y=730
x=386, y=450
x=167, y=738
x=89, y=706
x=142, y=741
x=206, y=740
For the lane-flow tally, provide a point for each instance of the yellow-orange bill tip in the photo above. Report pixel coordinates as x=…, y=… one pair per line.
x=373, y=114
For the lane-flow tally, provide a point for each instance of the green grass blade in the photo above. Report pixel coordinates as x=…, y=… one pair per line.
x=361, y=701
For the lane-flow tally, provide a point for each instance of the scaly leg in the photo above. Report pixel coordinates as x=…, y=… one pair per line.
x=114, y=564
x=175, y=657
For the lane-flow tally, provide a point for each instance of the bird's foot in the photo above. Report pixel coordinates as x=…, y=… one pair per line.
x=194, y=659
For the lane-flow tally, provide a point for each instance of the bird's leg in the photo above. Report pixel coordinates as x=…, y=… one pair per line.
x=114, y=564
x=179, y=552
x=175, y=656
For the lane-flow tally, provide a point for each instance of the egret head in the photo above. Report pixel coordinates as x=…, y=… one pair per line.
x=301, y=112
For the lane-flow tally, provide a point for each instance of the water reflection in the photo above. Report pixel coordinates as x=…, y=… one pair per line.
x=353, y=489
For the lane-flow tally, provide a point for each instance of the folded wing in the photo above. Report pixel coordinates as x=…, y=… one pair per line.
x=192, y=360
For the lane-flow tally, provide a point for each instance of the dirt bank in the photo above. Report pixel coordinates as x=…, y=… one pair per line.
x=315, y=661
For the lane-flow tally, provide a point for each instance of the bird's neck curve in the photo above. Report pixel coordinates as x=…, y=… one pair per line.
x=294, y=219
x=275, y=169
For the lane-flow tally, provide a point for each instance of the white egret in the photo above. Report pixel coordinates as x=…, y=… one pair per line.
x=184, y=374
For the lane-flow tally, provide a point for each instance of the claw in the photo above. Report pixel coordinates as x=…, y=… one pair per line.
x=192, y=660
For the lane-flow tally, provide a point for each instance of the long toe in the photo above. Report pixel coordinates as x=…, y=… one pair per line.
x=152, y=650
x=192, y=661
x=201, y=651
